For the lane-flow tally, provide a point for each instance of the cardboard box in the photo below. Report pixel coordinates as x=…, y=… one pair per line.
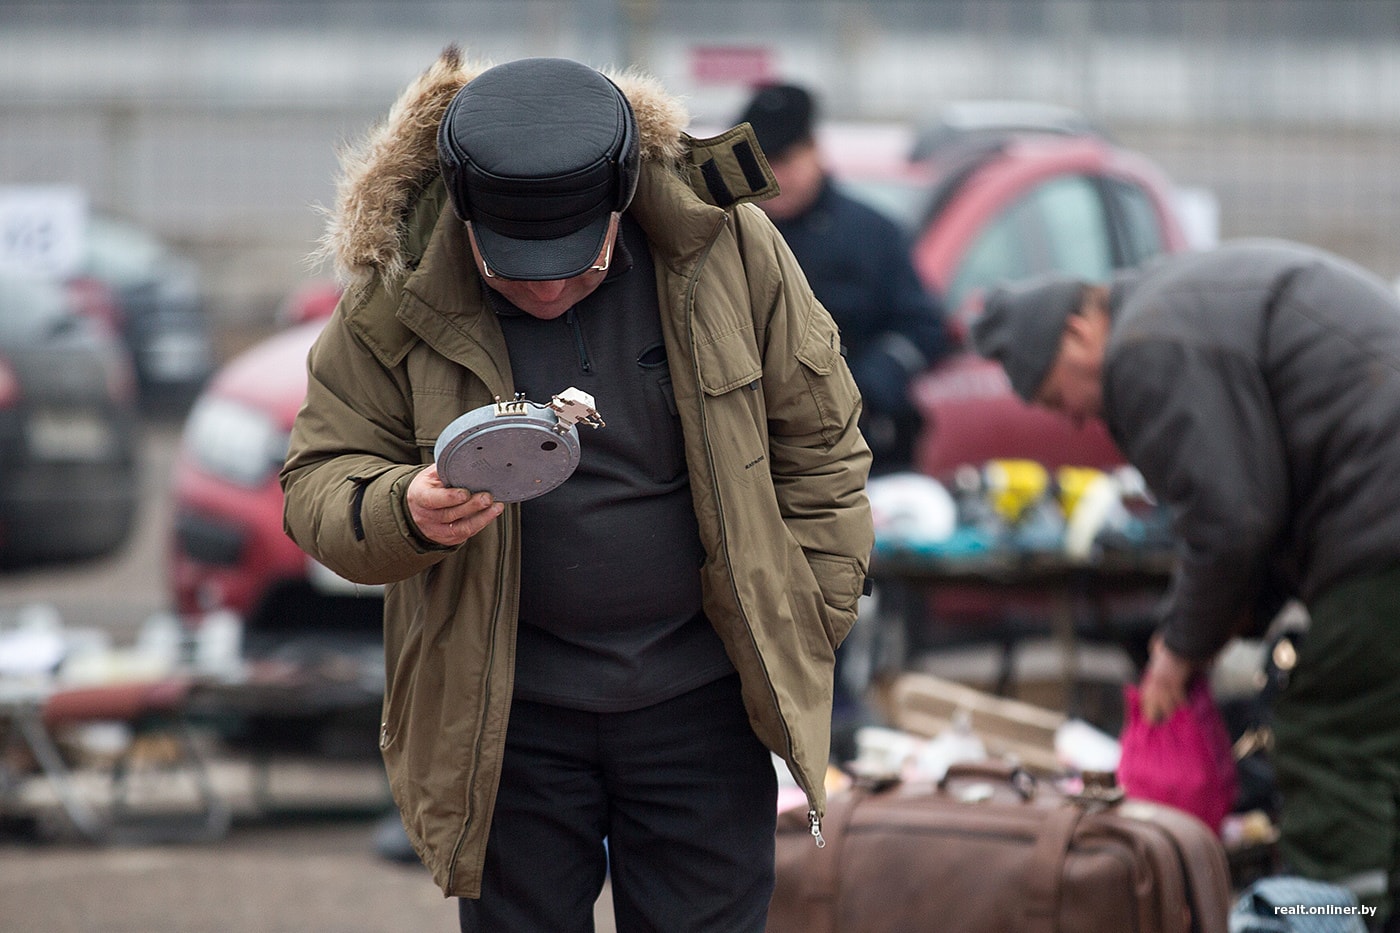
x=924, y=706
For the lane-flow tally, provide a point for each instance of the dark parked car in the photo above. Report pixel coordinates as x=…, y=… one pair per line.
x=151, y=297
x=68, y=429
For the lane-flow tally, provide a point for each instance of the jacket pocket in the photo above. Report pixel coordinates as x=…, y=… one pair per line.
x=840, y=580
x=667, y=459
x=728, y=362
x=403, y=639
x=832, y=389
x=731, y=378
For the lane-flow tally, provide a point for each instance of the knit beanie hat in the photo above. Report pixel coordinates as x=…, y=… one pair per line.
x=1021, y=325
x=781, y=115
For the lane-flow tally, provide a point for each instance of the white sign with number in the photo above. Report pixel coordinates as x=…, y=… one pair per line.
x=42, y=229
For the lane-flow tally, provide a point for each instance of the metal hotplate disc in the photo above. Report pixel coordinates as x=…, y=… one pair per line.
x=514, y=455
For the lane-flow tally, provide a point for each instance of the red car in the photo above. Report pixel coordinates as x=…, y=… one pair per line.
x=998, y=192
x=228, y=550
x=1001, y=192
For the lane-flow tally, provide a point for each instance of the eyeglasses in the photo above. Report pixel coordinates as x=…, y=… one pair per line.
x=601, y=266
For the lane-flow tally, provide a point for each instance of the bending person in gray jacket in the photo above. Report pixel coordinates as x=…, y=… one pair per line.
x=1257, y=388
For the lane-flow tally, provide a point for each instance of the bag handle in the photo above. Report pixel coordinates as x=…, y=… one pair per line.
x=1047, y=866
x=1045, y=869
x=1000, y=772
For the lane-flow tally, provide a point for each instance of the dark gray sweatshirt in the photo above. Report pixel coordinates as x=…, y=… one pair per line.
x=610, y=616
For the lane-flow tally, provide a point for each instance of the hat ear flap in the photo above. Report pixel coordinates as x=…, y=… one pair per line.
x=628, y=166
x=453, y=162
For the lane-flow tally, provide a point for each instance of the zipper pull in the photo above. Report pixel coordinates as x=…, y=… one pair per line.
x=816, y=823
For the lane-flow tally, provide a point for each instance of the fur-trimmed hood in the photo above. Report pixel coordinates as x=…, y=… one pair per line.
x=382, y=176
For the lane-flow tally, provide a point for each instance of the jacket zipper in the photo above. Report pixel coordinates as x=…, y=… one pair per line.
x=486, y=695
x=814, y=819
x=585, y=363
x=506, y=546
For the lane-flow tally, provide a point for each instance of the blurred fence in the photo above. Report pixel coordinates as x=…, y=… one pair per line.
x=216, y=123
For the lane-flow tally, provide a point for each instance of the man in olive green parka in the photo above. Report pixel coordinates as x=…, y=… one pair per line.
x=764, y=403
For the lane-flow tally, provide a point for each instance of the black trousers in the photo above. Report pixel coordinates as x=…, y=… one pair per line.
x=683, y=793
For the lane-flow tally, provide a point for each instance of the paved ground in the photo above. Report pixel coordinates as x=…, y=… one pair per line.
x=292, y=877
x=298, y=872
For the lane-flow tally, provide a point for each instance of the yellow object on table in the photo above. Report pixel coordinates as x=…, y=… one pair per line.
x=1013, y=486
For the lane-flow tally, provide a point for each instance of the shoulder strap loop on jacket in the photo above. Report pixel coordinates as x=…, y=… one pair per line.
x=729, y=168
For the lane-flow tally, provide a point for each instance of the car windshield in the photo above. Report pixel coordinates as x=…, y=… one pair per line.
x=1057, y=226
x=30, y=307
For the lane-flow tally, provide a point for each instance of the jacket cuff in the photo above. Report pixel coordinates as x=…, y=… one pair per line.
x=398, y=499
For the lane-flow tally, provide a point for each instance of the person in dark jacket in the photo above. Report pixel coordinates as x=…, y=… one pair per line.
x=857, y=261
x=1256, y=386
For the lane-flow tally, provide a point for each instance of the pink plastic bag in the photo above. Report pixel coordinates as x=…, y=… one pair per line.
x=1186, y=762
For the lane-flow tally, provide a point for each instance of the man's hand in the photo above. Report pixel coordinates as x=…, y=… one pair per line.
x=1164, y=682
x=445, y=514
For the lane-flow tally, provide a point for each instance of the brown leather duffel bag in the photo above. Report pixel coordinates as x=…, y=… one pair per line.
x=991, y=850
